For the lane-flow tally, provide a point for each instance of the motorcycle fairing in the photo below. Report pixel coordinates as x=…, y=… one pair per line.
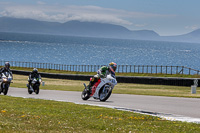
x=95, y=86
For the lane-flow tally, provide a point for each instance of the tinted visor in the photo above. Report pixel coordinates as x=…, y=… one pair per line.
x=114, y=68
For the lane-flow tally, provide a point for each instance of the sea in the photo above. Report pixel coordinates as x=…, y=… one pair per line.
x=72, y=50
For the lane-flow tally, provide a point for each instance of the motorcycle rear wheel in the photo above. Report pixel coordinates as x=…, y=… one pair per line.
x=85, y=94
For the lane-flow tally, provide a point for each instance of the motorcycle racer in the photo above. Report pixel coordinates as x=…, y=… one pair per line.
x=3, y=70
x=102, y=73
x=34, y=74
x=6, y=68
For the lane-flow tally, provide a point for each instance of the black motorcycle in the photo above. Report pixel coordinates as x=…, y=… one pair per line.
x=34, y=86
x=6, y=79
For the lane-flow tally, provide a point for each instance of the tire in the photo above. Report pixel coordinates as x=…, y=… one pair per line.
x=5, y=90
x=29, y=92
x=105, y=93
x=85, y=94
x=37, y=89
x=1, y=89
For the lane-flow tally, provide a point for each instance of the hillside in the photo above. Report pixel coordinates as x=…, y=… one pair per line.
x=72, y=28
x=88, y=29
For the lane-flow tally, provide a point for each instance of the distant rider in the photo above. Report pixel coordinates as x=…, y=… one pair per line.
x=102, y=73
x=6, y=69
x=32, y=75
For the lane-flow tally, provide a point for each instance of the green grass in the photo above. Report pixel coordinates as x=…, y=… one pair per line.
x=121, y=88
x=34, y=115
x=117, y=74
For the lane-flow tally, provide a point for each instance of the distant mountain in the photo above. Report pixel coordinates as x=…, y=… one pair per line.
x=193, y=37
x=73, y=28
x=88, y=29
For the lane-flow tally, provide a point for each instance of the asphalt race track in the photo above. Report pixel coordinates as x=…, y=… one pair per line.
x=172, y=108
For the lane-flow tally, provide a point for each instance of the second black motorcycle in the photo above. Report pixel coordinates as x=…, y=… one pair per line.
x=34, y=86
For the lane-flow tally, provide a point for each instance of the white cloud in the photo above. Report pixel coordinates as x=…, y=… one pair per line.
x=193, y=27
x=140, y=25
x=58, y=13
x=41, y=3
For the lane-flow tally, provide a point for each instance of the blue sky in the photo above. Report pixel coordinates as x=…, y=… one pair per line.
x=166, y=17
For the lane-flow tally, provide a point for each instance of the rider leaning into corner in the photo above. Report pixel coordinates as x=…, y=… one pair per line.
x=102, y=73
x=6, y=69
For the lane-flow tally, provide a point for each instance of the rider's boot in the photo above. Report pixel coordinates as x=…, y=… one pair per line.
x=92, y=82
x=89, y=87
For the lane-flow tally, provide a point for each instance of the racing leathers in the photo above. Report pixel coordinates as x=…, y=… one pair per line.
x=101, y=73
x=3, y=69
x=33, y=75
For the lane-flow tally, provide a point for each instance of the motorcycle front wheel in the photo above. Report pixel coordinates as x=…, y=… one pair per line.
x=85, y=94
x=5, y=90
x=105, y=93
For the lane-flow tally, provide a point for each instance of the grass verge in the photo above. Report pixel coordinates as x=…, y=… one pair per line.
x=121, y=88
x=35, y=115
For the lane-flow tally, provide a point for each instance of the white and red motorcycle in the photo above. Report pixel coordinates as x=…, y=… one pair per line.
x=101, y=90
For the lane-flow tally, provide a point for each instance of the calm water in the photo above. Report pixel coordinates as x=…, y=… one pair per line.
x=96, y=51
